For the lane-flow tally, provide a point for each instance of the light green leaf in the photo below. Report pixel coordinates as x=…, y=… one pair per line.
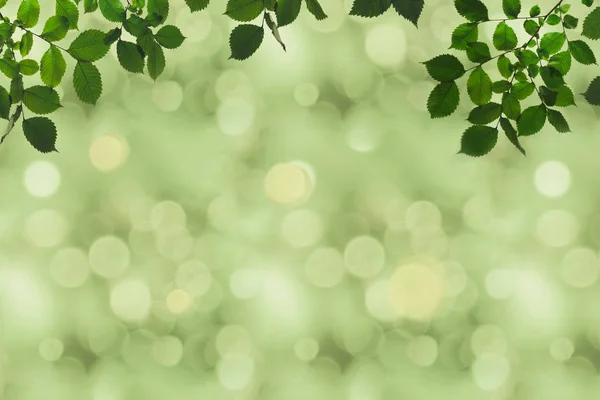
x=504, y=37
x=29, y=13
x=479, y=86
x=56, y=28
x=52, y=67
x=65, y=8
x=511, y=8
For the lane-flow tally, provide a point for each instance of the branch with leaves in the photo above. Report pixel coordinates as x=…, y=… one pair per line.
x=141, y=34
x=538, y=66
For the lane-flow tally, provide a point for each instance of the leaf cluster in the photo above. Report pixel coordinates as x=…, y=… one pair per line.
x=528, y=87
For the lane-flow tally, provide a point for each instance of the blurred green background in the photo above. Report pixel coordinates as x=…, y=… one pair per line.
x=296, y=227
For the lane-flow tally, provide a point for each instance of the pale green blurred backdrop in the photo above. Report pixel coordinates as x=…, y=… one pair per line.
x=295, y=227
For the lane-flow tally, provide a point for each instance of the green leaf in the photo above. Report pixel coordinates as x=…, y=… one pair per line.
x=29, y=13
x=551, y=77
x=90, y=6
x=41, y=99
x=112, y=10
x=511, y=134
x=511, y=106
x=56, y=28
x=478, y=140
x=565, y=96
x=473, y=10
x=445, y=68
x=522, y=90
x=531, y=27
x=443, y=100
x=535, y=11
x=591, y=25
x=87, y=82
x=245, y=10
x=482, y=115
x=130, y=56
x=169, y=36
x=504, y=37
x=136, y=26
x=464, y=34
x=552, y=42
x=511, y=8
x=65, y=8
x=4, y=103
x=561, y=61
x=287, y=11
x=527, y=57
x=504, y=66
x=197, y=5
x=159, y=8
x=588, y=3
x=367, y=8
x=112, y=36
x=89, y=46
x=553, y=19
x=274, y=29
x=581, y=52
x=548, y=96
x=532, y=120
x=26, y=44
x=479, y=86
x=558, y=121
x=41, y=133
x=592, y=95
x=9, y=67
x=28, y=67
x=245, y=40
x=315, y=9
x=16, y=89
x=501, y=86
x=155, y=59
x=409, y=9
x=570, y=22
x=52, y=67
x=478, y=52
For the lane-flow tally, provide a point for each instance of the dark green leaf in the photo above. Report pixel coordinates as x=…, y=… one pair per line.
x=445, y=68
x=41, y=133
x=478, y=140
x=87, y=82
x=482, y=115
x=532, y=120
x=479, y=86
x=558, y=121
x=443, y=100
x=245, y=40
x=511, y=134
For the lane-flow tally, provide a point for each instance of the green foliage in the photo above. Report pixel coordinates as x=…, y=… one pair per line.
x=529, y=78
x=527, y=86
